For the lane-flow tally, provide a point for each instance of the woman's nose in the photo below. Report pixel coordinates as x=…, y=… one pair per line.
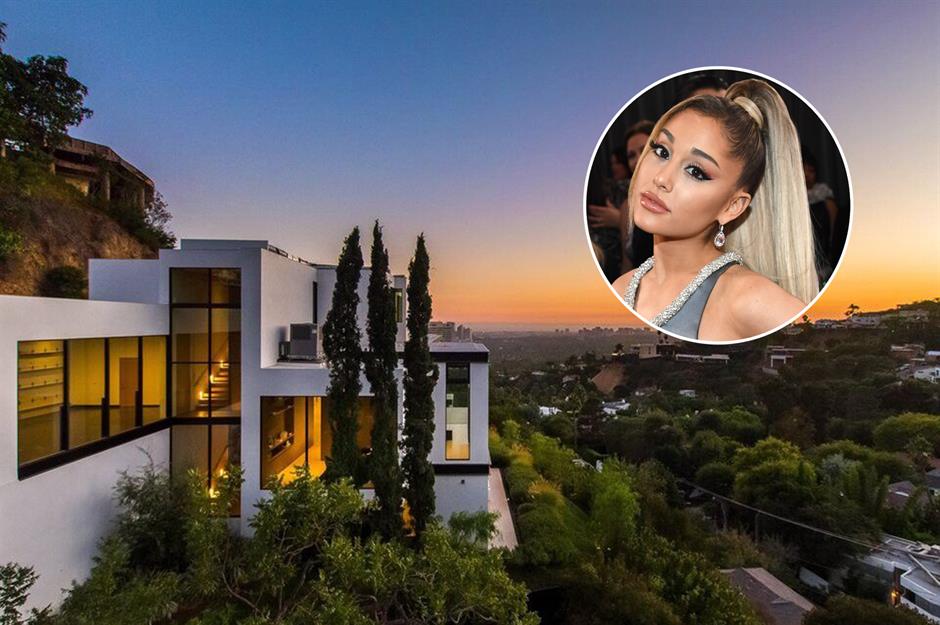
x=663, y=178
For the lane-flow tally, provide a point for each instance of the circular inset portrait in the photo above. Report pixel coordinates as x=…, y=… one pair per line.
x=717, y=205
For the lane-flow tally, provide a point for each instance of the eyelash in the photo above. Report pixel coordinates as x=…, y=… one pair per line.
x=699, y=174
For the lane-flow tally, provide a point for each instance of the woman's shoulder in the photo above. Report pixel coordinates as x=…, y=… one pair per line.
x=620, y=284
x=755, y=303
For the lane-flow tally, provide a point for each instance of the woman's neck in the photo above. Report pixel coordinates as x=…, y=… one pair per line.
x=681, y=258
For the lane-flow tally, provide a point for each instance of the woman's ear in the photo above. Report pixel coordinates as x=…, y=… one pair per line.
x=735, y=208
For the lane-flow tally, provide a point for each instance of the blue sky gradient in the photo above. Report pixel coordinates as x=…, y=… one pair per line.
x=474, y=123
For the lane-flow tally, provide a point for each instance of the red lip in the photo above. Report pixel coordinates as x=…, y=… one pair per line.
x=652, y=203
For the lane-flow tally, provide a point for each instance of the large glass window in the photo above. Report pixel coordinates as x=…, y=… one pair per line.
x=77, y=391
x=190, y=286
x=154, y=379
x=40, y=398
x=206, y=340
x=399, y=305
x=86, y=371
x=295, y=431
x=205, y=329
x=190, y=335
x=457, y=412
x=124, y=383
x=208, y=450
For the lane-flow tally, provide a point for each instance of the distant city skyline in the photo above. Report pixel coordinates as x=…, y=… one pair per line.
x=475, y=125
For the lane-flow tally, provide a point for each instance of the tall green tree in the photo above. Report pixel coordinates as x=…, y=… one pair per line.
x=344, y=355
x=39, y=100
x=420, y=378
x=380, y=371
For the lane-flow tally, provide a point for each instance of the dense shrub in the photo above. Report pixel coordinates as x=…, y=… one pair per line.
x=10, y=243
x=64, y=282
x=894, y=433
x=519, y=478
x=717, y=477
x=845, y=609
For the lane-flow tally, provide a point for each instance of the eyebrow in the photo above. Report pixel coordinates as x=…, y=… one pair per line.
x=706, y=156
x=696, y=151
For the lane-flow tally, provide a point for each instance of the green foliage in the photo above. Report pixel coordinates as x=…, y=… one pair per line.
x=895, y=433
x=39, y=100
x=552, y=531
x=116, y=594
x=614, y=509
x=343, y=352
x=698, y=593
x=64, y=281
x=15, y=582
x=886, y=463
x=844, y=609
x=380, y=365
x=420, y=378
x=152, y=503
x=615, y=594
x=558, y=465
x=500, y=453
x=706, y=447
x=519, y=478
x=774, y=476
x=768, y=450
x=717, y=477
x=147, y=225
x=737, y=423
x=10, y=243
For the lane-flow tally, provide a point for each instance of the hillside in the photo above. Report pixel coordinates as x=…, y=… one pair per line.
x=46, y=224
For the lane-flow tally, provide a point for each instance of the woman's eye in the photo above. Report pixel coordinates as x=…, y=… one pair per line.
x=660, y=150
x=697, y=172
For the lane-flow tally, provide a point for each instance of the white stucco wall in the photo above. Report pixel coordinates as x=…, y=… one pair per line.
x=286, y=297
x=124, y=280
x=52, y=521
x=460, y=493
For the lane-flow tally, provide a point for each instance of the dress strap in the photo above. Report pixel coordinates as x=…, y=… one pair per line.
x=669, y=311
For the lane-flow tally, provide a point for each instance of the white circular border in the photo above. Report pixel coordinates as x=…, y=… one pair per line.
x=848, y=176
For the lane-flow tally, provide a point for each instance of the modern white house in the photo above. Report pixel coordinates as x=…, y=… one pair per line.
x=207, y=356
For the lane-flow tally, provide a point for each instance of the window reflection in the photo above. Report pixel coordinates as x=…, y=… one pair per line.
x=457, y=413
x=40, y=378
x=86, y=390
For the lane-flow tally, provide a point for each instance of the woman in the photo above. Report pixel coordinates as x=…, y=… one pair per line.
x=720, y=186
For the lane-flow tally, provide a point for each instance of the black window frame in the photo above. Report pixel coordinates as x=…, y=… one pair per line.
x=67, y=453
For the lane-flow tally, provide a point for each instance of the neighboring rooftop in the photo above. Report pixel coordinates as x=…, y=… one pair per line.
x=776, y=602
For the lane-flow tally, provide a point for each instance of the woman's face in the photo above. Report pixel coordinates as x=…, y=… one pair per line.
x=618, y=169
x=687, y=181
x=635, y=145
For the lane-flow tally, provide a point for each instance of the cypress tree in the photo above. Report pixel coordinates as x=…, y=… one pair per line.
x=344, y=355
x=420, y=378
x=380, y=371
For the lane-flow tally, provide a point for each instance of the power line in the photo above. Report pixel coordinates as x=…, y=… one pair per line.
x=778, y=517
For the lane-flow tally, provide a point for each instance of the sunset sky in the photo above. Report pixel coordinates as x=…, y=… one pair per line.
x=475, y=124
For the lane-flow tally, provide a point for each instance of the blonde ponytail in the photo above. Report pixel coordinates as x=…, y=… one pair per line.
x=776, y=235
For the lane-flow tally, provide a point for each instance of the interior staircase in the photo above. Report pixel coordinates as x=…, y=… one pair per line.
x=219, y=393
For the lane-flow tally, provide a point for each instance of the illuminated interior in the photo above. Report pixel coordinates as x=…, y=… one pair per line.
x=457, y=413
x=205, y=335
x=295, y=431
x=77, y=391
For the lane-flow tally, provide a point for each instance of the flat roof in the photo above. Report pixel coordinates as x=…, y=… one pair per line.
x=458, y=347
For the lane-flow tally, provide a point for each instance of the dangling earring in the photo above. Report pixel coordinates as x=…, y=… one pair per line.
x=720, y=237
